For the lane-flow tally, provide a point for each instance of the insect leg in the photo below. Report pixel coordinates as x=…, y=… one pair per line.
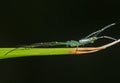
x=101, y=30
x=76, y=49
x=17, y=48
x=107, y=37
x=11, y=51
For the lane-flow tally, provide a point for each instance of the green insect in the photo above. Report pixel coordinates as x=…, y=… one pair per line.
x=91, y=38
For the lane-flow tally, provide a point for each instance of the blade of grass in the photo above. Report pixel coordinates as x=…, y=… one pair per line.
x=22, y=52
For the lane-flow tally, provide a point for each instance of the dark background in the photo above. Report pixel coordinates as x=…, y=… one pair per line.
x=29, y=21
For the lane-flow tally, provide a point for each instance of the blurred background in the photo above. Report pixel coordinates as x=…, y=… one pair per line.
x=25, y=22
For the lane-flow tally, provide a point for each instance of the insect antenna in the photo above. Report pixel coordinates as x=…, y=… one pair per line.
x=101, y=30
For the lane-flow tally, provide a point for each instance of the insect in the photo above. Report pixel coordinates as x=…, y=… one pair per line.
x=91, y=38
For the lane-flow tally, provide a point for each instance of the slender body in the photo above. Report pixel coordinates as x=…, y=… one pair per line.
x=91, y=38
